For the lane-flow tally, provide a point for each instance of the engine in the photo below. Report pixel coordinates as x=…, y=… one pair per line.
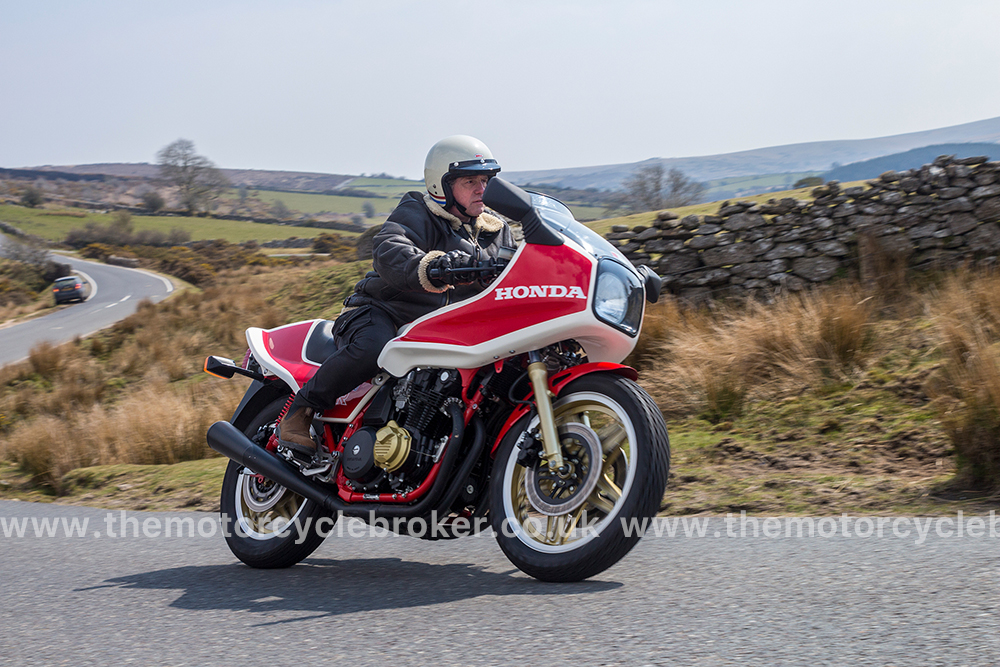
x=404, y=432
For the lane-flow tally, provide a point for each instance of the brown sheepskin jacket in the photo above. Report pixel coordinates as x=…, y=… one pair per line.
x=416, y=232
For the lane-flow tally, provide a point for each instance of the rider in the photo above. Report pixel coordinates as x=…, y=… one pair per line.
x=446, y=228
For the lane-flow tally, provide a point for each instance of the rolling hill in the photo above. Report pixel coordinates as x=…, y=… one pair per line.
x=817, y=156
x=727, y=174
x=293, y=181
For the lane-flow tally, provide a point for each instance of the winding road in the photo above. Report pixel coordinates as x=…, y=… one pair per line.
x=114, y=293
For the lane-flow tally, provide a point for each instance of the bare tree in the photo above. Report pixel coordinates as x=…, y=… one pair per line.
x=196, y=178
x=681, y=190
x=34, y=259
x=27, y=252
x=280, y=210
x=645, y=188
x=649, y=189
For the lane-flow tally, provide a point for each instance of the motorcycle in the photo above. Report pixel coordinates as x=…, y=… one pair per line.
x=509, y=410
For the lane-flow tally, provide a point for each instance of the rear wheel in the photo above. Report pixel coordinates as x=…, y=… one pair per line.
x=268, y=526
x=572, y=525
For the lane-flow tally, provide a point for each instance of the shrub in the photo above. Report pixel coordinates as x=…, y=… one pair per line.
x=45, y=359
x=152, y=201
x=99, y=251
x=808, y=182
x=280, y=210
x=186, y=265
x=364, y=243
x=120, y=233
x=32, y=196
x=336, y=246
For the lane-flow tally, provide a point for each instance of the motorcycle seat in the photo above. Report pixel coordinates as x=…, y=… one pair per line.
x=321, y=343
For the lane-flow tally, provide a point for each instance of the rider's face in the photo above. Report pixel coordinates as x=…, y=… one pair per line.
x=468, y=191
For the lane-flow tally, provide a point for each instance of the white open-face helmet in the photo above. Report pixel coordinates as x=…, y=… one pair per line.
x=455, y=156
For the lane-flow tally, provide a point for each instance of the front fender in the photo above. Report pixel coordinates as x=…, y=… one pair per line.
x=557, y=383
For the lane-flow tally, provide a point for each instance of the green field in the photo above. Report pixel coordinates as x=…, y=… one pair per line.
x=707, y=208
x=389, y=192
x=727, y=188
x=312, y=204
x=391, y=187
x=50, y=225
x=386, y=191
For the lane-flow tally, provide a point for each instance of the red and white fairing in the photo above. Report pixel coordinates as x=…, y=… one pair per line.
x=543, y=296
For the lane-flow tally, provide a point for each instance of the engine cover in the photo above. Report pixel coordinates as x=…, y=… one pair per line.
x=392, y=447
x=358, y=460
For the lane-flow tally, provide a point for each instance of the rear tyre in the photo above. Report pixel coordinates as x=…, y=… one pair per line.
x=268, y=526
x=540, y=521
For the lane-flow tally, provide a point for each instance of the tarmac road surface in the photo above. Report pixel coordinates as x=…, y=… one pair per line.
x=114, y=293
x=919, y=595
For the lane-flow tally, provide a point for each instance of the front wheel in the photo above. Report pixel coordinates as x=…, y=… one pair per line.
x=268, y=526
x=572, y=525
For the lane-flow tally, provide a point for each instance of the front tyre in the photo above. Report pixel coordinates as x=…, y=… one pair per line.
x=541, y=523
x=268, y=526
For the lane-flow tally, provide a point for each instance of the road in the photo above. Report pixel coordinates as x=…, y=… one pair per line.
x=115, y=294
x=712, y=600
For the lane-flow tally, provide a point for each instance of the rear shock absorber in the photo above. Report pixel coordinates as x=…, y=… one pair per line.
x=272, y=442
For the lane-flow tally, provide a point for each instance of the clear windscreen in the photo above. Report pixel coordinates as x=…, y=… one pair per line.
x=556, y=215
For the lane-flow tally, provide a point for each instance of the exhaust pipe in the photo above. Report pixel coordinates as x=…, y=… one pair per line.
x=229, y=441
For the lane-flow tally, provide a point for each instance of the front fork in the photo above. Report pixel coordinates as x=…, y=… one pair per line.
x=538, y=373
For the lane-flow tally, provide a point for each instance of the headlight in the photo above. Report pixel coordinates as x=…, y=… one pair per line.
x=619, y=296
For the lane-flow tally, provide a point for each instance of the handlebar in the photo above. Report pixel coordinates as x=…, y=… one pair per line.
x=484, y=269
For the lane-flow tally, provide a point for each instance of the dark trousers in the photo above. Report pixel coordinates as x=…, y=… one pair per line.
x=360, y=335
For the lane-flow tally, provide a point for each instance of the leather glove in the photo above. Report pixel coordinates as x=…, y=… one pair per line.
x=442, y=270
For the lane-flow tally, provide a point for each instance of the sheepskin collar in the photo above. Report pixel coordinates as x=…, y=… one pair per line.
x=486, y=222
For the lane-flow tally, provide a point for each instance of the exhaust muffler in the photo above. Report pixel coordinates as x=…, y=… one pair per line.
x=229, y=441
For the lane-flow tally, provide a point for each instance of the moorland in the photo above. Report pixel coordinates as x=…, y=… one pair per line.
x=861, y=399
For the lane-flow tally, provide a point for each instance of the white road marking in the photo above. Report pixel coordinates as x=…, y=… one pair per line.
x=170, y=285
x=93, y=285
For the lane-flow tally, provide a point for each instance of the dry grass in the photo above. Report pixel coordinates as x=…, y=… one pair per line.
x=13, y=311
x=712, y=362
x=966, y=389
x=135, y=392
x=155, y=424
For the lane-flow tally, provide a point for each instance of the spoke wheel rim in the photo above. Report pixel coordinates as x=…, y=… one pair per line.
x=566, y=532
x=265, y=512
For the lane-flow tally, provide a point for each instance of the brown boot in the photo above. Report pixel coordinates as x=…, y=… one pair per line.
x=293, y=431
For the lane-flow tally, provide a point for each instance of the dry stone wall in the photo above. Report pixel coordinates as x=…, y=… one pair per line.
x=938, y=216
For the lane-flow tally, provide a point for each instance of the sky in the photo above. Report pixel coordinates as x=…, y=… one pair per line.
x=367, y=86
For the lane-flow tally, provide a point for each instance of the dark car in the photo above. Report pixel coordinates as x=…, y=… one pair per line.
x=69, y=288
